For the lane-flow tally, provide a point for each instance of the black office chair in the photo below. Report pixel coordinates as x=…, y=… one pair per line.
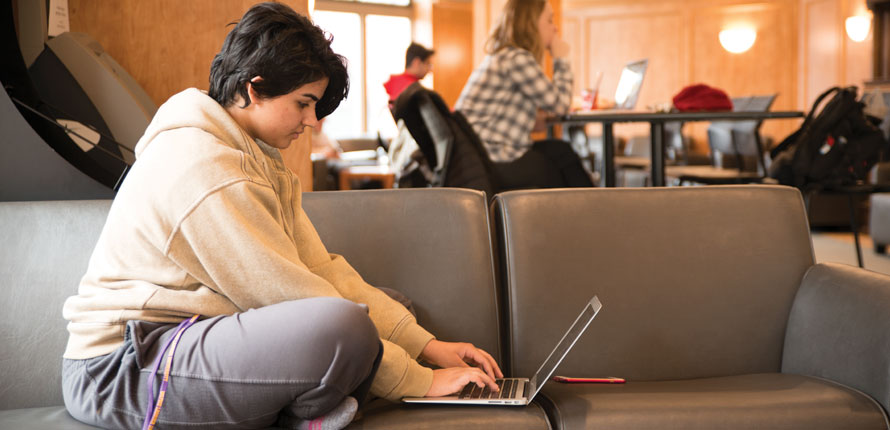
x=451, y=151
x=737, y=153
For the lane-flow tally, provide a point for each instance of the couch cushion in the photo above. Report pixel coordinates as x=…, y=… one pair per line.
x=433, y=245
x=695, y=281
x=760, y=401
x=48, y=418
x=385, y=415
x=46, y=247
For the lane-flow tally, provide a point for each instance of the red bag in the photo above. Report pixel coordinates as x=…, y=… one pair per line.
x=701, y=97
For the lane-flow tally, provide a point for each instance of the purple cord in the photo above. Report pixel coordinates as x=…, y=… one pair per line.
x=151, y=378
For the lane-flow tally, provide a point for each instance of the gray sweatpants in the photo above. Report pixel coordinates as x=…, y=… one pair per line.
x=293, y=359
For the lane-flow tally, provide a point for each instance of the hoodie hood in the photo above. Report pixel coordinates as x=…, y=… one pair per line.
x=194, y=108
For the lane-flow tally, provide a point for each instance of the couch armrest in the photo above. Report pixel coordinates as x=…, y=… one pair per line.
x=839, y=329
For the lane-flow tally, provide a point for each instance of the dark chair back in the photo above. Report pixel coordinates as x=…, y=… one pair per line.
x=450, y=146
x=432, y=245
x=740, y=140
x=694, y=281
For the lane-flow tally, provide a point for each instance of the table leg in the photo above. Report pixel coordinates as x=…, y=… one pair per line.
x=855, y=227
x=656, y=133
x=345, y=180
x=608, y=154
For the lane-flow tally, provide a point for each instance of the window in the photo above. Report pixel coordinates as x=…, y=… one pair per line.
x=387, y=38
x=373, y=38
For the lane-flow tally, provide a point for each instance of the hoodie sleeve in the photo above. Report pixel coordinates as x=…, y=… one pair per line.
x=233, y=241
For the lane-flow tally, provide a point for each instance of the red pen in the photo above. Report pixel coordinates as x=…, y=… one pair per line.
x=573, y=380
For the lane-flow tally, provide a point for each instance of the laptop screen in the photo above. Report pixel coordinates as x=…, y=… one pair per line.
x=629, y=84
x=545, y=372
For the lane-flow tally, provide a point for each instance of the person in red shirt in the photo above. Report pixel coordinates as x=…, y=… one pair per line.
x=418, y=62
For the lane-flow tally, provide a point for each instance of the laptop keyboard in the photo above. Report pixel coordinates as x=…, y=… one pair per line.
x=507, y=386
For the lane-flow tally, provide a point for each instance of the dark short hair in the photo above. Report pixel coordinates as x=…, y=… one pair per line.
x=286, y=50
x=417, y=51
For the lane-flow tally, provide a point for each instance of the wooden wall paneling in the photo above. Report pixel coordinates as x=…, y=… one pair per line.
x=485, y=16
x=614, y=40
x=495, y=8
x=766, y=68
x=452, y=42
x=858, y=55
x=167, y=46
x=481, y=12
x=822, y=56
x=573, y=32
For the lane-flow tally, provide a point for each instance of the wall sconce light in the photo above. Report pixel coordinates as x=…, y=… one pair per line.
x=738, y=40
x=858, y=27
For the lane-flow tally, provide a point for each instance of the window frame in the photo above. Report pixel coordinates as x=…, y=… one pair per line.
x=364, y=2
x=363, y=10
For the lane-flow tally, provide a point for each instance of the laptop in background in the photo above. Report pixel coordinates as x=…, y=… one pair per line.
x=629, y=84
x=521, y=391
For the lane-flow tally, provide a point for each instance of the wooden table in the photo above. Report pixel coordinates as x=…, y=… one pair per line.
x=376, y=172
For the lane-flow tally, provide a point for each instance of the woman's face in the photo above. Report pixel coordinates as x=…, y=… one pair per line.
x=546, y=27
x=280, y=120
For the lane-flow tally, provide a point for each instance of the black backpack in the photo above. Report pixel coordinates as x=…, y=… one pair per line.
x=836, y=147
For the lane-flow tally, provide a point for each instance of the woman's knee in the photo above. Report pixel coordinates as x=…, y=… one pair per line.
x=345, y=324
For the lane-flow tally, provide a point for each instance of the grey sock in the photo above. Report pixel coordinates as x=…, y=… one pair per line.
x=336, y=419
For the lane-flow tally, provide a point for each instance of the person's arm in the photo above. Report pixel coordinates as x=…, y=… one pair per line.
x=553, y=96
x=461, y=363
x=232, y=241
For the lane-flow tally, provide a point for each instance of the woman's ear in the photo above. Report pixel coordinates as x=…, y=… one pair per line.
x=251, y=92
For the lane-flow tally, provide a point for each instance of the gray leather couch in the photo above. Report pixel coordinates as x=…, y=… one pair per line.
x=434, y=245
x=713, y=310
x=717, y=318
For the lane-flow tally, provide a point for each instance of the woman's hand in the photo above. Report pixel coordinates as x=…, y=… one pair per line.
x=455, y=359
x=453, y=379
x=541, y=120
x=559, y=48
x=460, y=354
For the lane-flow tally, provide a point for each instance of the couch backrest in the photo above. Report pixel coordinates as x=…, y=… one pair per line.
x=44, y=250
x=433, y=245
x=694, y=281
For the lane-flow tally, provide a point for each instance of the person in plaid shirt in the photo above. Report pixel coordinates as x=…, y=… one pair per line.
x=508, y=95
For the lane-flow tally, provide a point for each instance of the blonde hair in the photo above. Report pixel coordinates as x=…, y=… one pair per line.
x=518, y=28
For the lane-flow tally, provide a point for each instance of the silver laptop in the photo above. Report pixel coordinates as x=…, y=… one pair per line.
x=629, y=84
x=521, y=391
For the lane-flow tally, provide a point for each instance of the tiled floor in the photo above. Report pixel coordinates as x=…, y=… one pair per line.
x=838, y=247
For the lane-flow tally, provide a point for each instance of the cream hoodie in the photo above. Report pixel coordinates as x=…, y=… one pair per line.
x=209, y=222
